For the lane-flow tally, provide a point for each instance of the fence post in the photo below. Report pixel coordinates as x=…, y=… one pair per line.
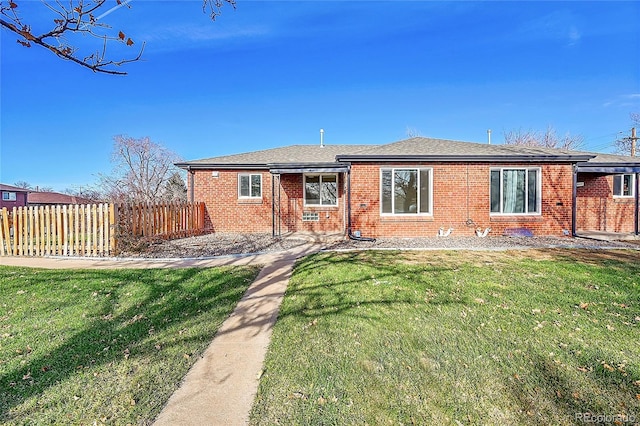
x=41, y=230
x=35, y=232
x=19, y=230
x=4, y=231
x=94, y=211
x=76, y=229
x=65, y=227
x=28, y=222
x=12, y=224
x=113, y=214
x=47, y=226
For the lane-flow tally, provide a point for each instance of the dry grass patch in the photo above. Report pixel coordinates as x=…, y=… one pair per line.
x=501, y=256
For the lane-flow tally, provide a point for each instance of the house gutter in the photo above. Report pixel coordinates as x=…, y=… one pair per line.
x=274, y=168
x=467, y=158
x=209, y=166
x=609, y=168
x=308, y=168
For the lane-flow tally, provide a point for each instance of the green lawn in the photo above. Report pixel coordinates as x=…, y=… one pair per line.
x=533, y=337
x=105, y=346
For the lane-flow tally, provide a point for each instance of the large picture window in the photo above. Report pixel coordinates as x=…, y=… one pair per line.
x=321, y=190
x=250, y=185
x=515, y=191
x=405, y=191
x=623, y=185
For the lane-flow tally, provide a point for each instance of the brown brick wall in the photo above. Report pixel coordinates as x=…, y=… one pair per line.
x=461, y=200
x=598, y=210
x=225, y=212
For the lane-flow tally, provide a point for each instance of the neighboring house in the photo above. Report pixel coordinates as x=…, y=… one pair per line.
x=12, y=196
x=53, y=198
x=416, y=187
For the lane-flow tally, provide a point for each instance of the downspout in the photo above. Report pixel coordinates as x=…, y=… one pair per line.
x=191, y=184
x=349, y=201
x=279, y=223
x=344, y=205
x=637, y=212
x=574, y=205
x=351, y=236
x=273, y=205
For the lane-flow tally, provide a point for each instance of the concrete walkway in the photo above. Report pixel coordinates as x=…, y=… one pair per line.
x=61, y=262
x=220, y=387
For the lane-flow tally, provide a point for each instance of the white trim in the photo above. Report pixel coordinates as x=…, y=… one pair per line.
x=633, y=186
x=249, y=197
x=10, y=196
x=417, y=169
x=538, y=189
x=320, y=175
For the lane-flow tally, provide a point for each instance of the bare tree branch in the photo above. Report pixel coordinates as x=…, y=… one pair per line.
x=142, y=170
x=23, y=184
x=78, y=17
x=546, y=139
x=214, y=7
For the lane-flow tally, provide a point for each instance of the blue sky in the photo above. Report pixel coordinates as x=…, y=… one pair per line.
x=272, y=73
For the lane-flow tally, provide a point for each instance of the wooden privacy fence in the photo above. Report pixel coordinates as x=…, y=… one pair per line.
x=92, y=229
x=171, y=220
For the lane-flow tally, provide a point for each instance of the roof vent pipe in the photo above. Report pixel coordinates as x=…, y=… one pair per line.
x=321, y=138
x=489, y=136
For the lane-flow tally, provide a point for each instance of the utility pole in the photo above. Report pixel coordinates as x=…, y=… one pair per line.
x=633, y=142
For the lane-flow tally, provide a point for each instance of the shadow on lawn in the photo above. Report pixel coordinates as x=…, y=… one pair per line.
x=553, y=395
x=548, y=390
x=165, y=304
x=355, y=290
x=615, y=258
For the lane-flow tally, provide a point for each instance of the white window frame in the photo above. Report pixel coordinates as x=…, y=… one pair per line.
x=418, y=170
x=250, y=176
x=538, y=171
x=632, y=193
x=9, y=196
x=321, y=175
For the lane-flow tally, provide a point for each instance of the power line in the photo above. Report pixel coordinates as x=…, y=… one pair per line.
x=604, y=136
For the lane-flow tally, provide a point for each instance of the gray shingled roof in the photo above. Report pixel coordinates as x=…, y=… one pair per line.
x=449, y=150
x=293, y=154
x=406, y=150
x=430, y=146
x=611, y=158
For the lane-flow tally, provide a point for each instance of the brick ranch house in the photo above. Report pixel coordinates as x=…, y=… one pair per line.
x=416, y=187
